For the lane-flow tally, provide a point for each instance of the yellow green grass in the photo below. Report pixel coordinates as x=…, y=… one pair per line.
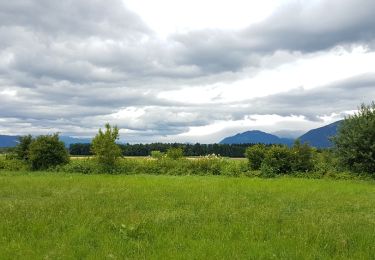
x=72, y=216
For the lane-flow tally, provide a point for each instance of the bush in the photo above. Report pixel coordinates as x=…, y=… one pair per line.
x=175, y=153
x=355, y=140
x=12, y=164
x=47, y=151
x=302, y=159
x=278, y=161
x=256, y=154
x=104, y=146
x=157, y=155
x=22, y=149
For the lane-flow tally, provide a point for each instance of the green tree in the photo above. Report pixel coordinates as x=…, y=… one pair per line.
x=22, y=149
x=355, y=140
x=278, y=161
x=47, y=151
x=104, y=145
x=302, y=160
x=175, y=153
x=256, y=154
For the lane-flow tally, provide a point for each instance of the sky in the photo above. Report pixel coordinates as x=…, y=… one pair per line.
x=183, y=71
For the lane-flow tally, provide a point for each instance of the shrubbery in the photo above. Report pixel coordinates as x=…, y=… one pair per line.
x=175, y=153
x=47, y=151
x=104, y=146
x=355, y=141
x=256, y=154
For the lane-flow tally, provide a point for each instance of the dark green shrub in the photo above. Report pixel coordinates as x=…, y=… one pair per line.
x=256, y=154
x=175, y=153
x=303, y=157
x=12, y=164
x=355, y=140
x=47, y=151
x=22, y=149
x=278, y=161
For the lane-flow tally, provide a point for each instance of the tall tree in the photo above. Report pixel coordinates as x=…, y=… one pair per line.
x=355, y=141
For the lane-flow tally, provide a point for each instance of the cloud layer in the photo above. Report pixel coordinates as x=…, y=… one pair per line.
x=71, y=66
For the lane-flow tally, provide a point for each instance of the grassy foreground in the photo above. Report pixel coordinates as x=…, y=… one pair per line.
x=64, y=216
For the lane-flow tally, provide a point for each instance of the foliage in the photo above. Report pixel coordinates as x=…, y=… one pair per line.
x=278, y=161
x=302, y=159
x=104, y=146
x=256, y=154
x=12, y=164
x=355, y=141
x=66, y=216
x=175, y=153
x=157, y=155
x=22, y=149
x=47, y=151
x=225, y=150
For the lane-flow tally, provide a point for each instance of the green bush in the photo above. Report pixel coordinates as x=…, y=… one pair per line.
x=278, y=161
x=355, y=140
x=104, y=146
x=22, y=149
x=47, y=151
x=157, y=155
x=175, y=153
x=256, y=154
x=12, y=164
x=303, y=157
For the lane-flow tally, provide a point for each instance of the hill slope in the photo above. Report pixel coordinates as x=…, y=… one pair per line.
x=320, y=137
x=8, y=140
x=255, y=137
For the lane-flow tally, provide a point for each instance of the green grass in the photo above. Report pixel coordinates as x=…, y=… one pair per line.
x=67, y=216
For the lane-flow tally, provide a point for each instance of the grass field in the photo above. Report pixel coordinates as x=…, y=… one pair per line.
x=65, y=216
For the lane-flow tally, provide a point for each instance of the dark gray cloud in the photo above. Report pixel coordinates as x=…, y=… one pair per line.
x=297, y=27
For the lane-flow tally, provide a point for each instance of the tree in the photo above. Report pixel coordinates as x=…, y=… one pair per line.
x=22, y=149
x=256, y=154
x=104, y=145
x=355, y=140
x=175, y=153
x=278, y=161
x=47, y=151
x=302, y=160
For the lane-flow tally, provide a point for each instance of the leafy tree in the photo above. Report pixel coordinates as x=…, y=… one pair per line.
x=22, y=149
x=175, y=153
x=278, y=161
x=47, y=151
x=104, y=145
x=355, y=140
x=302, y=160
x=256, y=154
x=157, y=155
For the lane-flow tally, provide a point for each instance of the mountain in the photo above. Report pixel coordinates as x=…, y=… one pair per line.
x=255, y=137
x=8, y=140
x=11, y=141
x=68, y=140
x=320, y=137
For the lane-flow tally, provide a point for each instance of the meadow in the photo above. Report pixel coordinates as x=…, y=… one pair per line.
x=49, y=215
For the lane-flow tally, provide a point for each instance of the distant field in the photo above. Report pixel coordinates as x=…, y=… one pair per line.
x=64, y=216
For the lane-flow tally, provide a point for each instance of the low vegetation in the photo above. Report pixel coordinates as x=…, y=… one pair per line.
x=65, y=216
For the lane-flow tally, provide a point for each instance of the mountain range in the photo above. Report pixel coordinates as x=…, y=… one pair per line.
x=12, y=140
x=319, y=137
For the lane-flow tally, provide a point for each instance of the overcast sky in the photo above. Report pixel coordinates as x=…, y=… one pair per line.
x=183, y=71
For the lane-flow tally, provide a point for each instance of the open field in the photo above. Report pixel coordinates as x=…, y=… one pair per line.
x=59, y=216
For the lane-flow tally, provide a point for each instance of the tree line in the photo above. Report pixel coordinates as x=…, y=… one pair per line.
x=225, y=150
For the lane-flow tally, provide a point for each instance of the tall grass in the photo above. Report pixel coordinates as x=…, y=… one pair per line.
x=75, y=216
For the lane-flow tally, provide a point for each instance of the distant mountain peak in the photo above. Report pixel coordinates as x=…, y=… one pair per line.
x=255, y=137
